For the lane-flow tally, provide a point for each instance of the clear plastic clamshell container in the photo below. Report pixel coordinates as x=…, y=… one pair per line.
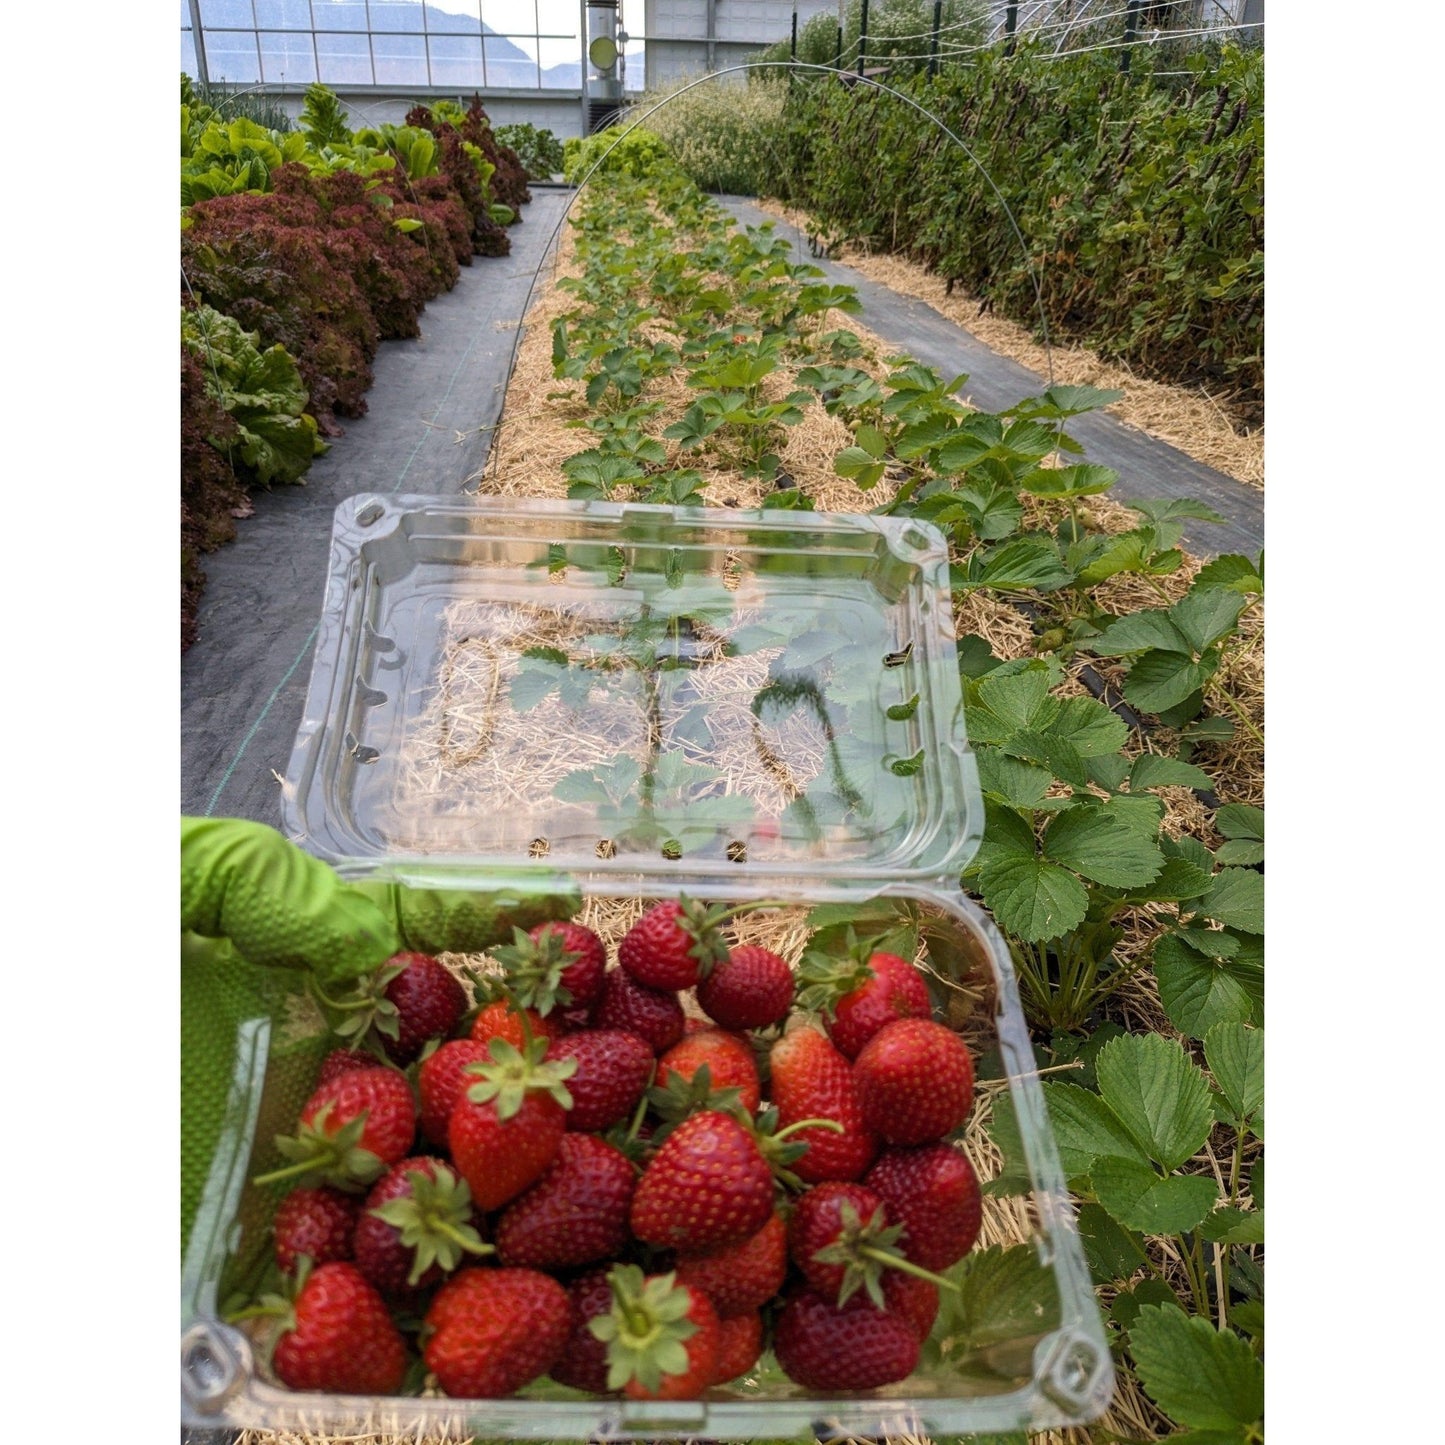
x=637, y=702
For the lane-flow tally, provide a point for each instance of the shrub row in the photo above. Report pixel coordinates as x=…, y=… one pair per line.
x=1139, y=195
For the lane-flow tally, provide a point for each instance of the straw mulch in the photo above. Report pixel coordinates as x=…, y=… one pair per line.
x=462, y=746
x=1189, y=418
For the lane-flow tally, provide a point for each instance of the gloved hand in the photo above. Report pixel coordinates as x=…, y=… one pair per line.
x=258, y=914
x=242, y=883
x=282, y=908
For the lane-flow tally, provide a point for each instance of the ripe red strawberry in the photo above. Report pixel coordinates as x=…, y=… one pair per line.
x=575, y=1214
x=842, y=1240
x=500, y=1020
x=824, y=1217
x=582, y=978
x=416, y=1227
x=661, y=1337
x=810, y=1079
x=740, y=1342
x=857, y=1347
x=741, y=1278
x=933, y=1192
x=505, y=1129
x=342, y=1061
x=314, y=1222
x=340, y=1337
x=613, y=1068
x=351, y=1129
x=751, y=989
x=916, y=1300
x=494, y=1330
x=708, y=1185
x=860, y=992
x=583, y=1361
x=729, y=1062
x=441, y=1080
x=895, y=990
x=915, y=1082
x=673, y=945
x=650, y=1013
x=428, y=1002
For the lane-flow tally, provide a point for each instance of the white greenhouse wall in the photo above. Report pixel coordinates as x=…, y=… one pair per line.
x=677, y=33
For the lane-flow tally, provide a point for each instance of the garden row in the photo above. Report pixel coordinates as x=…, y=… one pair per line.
x=300, y=252
x=1112, y=701
x=1139, y=192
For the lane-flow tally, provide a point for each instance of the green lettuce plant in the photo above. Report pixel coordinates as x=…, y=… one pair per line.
x=263, y=394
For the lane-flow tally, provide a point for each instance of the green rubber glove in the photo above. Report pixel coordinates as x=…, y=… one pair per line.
x=460, y=920
x=279, y=907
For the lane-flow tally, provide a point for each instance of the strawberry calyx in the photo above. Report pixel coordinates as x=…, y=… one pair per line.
x=865, y=1249
x=319, y=1157
x=825, y=978
x=647, y=1329
x=627, y=1138
x=364, y=1010
x=514, y=1073
x=702, y=923
x=279, y=1305
x=533, y=969
x=681, y=1097
x=778, y=1148
x=434, y=1221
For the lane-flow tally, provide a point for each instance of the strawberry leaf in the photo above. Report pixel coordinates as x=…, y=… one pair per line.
x=1004, y=1295
x=1159, y=1096
x=1198, y=991
x=1235, y=1055
x=1199, y=1376
x=1102, y=848
x=1031, y=898
x=1139, y=1199
x=1236, y=900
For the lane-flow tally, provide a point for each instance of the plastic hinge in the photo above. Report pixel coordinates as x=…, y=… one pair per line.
x=1074, y=1371
x=213, y=1366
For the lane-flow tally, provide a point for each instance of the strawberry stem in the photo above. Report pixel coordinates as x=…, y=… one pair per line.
x=291, y=1171
x=742, y=908
x=831, y=1125
x=634, y=1316
x=451, y=1232
x=897, y=1261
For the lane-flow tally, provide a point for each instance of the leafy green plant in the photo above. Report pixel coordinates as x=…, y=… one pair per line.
x=1130, y=1147
x=262, y=393
x=716, y=131
x=538, y=149
x=636, y=153
x=323, y=118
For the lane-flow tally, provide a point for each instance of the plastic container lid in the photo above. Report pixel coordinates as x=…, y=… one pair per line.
x=606, y=688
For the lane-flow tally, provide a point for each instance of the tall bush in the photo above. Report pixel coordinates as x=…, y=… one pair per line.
x=1140, y=200
x=718, y=130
